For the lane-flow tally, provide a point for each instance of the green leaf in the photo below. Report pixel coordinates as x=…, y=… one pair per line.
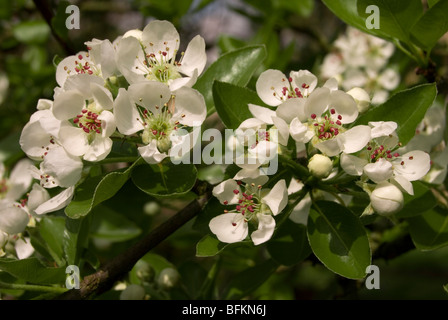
x=250, y=279
x=95, y=190
x=429, y=231
x=407, y=108
x=289, y=245
x=31, y=32
x=422, y=201
x=347, y=11
x=31, y=270
x=52, y=232
x=75, y=240
x=338, y=239
x=231, y=103
x=58, y=22
x=431, y=3
x=112, y=226
x=303, y=8
x=10, y=150
x=236, y=67
x=209, y=246
x=165, y=179
x=396, y=17
x=431, y=26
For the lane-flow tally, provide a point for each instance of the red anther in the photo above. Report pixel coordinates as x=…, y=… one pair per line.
x=80, y=57
x=250, y=208
x=338, y=122
x=164, y=53
x=402, y=163
x=240, y=201
x=396, y=154
x=381, y=148
x=290, y=79
x=226, y=202
x=313, y=116
x=372, y=156
x=234, y=224
x=332, y=111
x=389, y=156
x=79, y=116
x=76, y=120
x=90, y=72
x=86, y=130
x=388, y=151
x=238, y=208
x=84, y=111
x=236, y=191
x=238, y=183
x=154, y=132
x=316, y=124
x=339, y=117
x=411, y=158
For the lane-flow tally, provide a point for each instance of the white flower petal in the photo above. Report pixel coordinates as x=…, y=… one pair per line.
x=352, y=165
x=277, y=198
x=128, y=54
x=298, y=130
x=195, y=57
x=126, y=114
x=56, y=203
x=24, y=249
x=382, y=128
x=33, y=140
x=108, y=124
x=262, y=113
x=151, y=154
x=81, y=83
x=303, y=78
x=300, y=213
x=190, y=108
x=329, y=147
x=269, y=86
x=65, y=168
x=98, y=149
x=225, y=191
x=316, y=103
x=178, y=83
x=282, y=130
x=379, y=171
x=344, y=105
x=331, y=84
x=12, y=219
x=291, y=108
x=229, y=227
x=354, y=139
x=102, y=96
x=68, y=105
x=74, y=140
x=416, y=164
x=38, y=195
x=404, y=183
x=159, y=35
x=19, y=180
x=266, y=227
x=150, y=94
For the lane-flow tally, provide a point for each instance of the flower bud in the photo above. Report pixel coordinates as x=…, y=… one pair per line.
x=361, y=97
x=320, y=166
x=151, y=208
x=133, y=292
x=386, y=199
x=168, y=278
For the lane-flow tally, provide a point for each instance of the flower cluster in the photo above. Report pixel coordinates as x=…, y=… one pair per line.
x=320, y=122
x=135, y=85
x=360, y=60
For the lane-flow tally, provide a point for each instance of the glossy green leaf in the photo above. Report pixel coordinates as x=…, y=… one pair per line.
x=429, y=231
x=95, y=190
x=303, y=8
x=407, y=108
x=32, y=270
x=165, y=179
x=112, y=226
x=431, y=26
x=396, y=17
x=209, y=246
x=52, y=232
x=431, y=3
x=231, y=103
x=338, y=239
x=289, y=245
x=236, y=67
x=76, y=235
x=250, y=279
x=10, y=150
x=347, y=11
x=422, y=201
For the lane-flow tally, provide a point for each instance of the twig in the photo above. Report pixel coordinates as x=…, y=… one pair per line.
x=48, y=15
x=106, y=276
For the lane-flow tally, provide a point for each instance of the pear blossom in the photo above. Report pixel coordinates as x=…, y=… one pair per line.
x=151, y=55
x=252, y=203
x=386, y=199
x=380, y=161
x=320, y=166
x=322, y=123
x=88, y=107
x=162, y=117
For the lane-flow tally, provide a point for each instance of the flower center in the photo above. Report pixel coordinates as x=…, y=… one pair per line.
x=290, y=91
x=83, y=65
x=376, y=152
x=159, y=126
x=159, y=66
x=249, y=202
x=328, y=127
x=88, y=120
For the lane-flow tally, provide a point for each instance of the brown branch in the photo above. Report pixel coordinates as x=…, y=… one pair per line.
x=106, y=276
x=48, y=15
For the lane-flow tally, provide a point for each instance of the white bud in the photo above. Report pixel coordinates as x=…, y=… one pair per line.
x=133, y=292
x=168, y=278
x=320, y=166
x=386, y=199
x=151, y=208
x=361, y=97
